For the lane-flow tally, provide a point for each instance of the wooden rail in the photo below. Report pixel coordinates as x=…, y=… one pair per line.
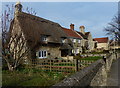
x=60, y=65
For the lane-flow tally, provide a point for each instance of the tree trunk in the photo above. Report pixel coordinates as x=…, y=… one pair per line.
x=10, y=67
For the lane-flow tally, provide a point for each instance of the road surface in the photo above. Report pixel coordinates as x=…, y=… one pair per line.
x=114, y=74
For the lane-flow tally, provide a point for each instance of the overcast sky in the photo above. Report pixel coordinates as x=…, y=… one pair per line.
x=93, y=15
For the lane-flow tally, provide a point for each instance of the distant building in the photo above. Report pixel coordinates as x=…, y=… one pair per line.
x=87, y=41
x=114, y=44
x=82, y=41
x=75, y=38
x=102, y=43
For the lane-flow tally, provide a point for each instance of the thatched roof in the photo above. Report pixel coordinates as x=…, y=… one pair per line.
x=33, y=27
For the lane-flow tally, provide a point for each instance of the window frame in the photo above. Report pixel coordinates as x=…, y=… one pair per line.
x=63, y=40
x=42, y=54
x=79, y=41
x=44, y=38
x=74, y=40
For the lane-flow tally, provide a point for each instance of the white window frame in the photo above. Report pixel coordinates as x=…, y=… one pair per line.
x=44, y=38
x=74, y=40
x=76, y=51
x=78, y=41
x=42, y=54
x=63, y=40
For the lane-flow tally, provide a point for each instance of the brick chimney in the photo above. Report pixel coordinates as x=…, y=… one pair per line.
x=72, y=26
x=82, y=29
x=18, y=8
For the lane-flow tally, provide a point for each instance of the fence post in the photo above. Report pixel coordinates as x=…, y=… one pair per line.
x=50, y=65
x=76, y=65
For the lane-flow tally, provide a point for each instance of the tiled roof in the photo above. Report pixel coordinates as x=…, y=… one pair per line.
x=85, y=37
x=71, y=33
x=87, y=34
x=101, y=40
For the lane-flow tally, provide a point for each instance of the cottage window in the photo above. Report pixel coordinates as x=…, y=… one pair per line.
x=78, y=41
x=76, y=51
x=44, y=38
x=43, y=54
x=63, y=40
x=74, y=40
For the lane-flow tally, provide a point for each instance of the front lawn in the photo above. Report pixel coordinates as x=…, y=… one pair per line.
x=90, y=58
x=28, y=77
x=94, y=58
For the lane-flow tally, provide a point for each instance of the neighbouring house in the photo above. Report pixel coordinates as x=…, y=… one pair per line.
x=114, y=44
x=102, y=43
x=90, y=41
x=47, y=37
x=82, y=41
x=75, y=38
x=87, y=41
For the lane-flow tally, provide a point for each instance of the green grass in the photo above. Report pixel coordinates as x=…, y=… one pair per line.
x=31, y=78
x=97, y=53
x=94, y=58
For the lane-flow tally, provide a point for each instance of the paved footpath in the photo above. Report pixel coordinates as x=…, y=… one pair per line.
x=113, y=75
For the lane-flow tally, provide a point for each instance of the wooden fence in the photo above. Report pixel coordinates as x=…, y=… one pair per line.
x=60, y=65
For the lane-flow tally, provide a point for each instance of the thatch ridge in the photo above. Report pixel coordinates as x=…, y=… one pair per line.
x=33, y=27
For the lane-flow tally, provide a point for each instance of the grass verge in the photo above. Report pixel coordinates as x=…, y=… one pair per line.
x=29, y=77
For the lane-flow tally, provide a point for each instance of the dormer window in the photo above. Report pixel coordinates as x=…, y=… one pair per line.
x=44, y=38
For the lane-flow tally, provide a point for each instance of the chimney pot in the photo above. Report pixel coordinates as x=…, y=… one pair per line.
x=82, y=29
x=18, y=7
x=72, y=26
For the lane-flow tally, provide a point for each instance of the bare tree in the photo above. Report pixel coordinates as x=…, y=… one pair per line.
x=113, y=28
x=15, y=51
x=14, y=48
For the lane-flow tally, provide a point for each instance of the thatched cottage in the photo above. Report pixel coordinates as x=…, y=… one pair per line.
x=45, y=38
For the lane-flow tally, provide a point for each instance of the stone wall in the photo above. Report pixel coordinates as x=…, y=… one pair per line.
x=100, y=78
x=93, y=75
x=82, y=77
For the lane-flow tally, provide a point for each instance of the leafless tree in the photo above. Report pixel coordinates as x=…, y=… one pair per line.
x=14, y=49
x=113, y=28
